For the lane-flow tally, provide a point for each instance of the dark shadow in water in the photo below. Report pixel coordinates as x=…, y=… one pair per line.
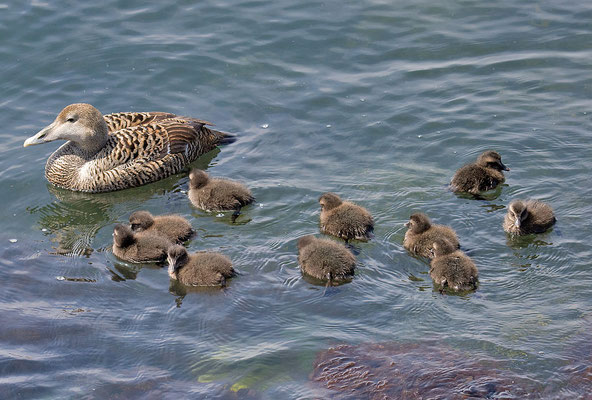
x=74, y=218
x=180, y=291
x=490, y=195
x=415, y=371
x=523, y=241
x=450, y=292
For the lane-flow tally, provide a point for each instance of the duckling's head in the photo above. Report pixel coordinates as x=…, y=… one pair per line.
x=441, y=247
x=305, y=241
x=517, y=212
x=329, y=201
x=418, y=223
x=492, y=159
x=123, y=235
x=198, y=178
x=177, y=256
x=80, y=123
x=141, y=220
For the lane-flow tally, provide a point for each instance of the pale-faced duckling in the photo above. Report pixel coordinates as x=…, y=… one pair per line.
x=325, y=260
x=140, y=247
x=528, y=216
x=421, y=234
x=174, y=227
x=123, y=150
x=451, y=268
x=480, y=176
x=344, y=219
x=211, y=194
x=199, y=269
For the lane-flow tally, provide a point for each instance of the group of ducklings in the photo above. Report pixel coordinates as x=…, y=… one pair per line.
x=450, y=268
x=151, y=238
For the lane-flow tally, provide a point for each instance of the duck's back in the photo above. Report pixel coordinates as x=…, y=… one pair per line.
x=540, y=217
x=324, y=257
x=456, y=270
x=138, y=153
x=422, y=243
x=149, y=247
x=473, y=178
x=206, y=269
x=348, y=221
x=174, y=227
x=221, y=195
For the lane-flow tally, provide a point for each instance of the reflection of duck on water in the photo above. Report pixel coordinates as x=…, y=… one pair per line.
x=75, y=218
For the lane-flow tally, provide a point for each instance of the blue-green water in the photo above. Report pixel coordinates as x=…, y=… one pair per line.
x=378, y=101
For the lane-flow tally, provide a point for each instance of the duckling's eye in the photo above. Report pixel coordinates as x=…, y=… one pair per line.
x=70, y=119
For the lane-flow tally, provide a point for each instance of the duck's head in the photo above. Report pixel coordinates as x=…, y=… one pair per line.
x=441, y=247
x=418, y=223
x=305, y=241
x=123, y=235
x=79, y=123
x=491, y=159
x=517, y=212
x=198, y=178
x=329, y=201
x=177, y=257
x=141, y=220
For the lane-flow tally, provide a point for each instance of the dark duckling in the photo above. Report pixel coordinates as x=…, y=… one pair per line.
x=421, y=234
x=122, y=150
x=199, y=269
x=528, y=216
x=344, y=219
x=480, y=176
x=140, y=247
x=325, y=260
x=174, y=227
x=211, y=194
x=451, y=268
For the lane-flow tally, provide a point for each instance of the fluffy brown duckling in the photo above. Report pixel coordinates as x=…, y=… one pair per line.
x=325, y=260
x=421, y=234
x=451, y=268
x=203, y=268
x=480, y=176
x=211, y=194
x=344, y=219
x=174, y=227
x=528, y=216
x=140, y=247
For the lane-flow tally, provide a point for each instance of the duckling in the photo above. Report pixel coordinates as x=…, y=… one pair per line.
x=122, y=150
x=480, y=176
x=324, y=259
x=174, y=227
x=344, y=219
x=452, y=268
x=199, y=269
x=421, y=235
x=140, y=247
x=210, y=194
x=528, y=216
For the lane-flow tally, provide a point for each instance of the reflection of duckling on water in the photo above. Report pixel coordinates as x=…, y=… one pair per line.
x=324, y=259
x=199, y=269
x=211, y=194
x=421, y=234
x=528, y=216
x=174, y=227
x=139, y=247
x=451, y=268
x=344, y=219
x=480, y=176
x=123, y=150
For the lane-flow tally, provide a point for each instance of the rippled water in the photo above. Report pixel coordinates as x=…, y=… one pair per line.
x=378, y=101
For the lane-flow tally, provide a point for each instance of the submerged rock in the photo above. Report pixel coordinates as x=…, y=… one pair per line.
x=415, y=371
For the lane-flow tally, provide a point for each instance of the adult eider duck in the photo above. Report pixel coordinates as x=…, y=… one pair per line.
x=480, y=176
x=528, y=216
x=451, y=268
x=344, y=219
x=421, y=234
x=215, y=194
x=174, y=227
x=325, y=260
x=122, y=150
x=203, y=268
x=139, y=247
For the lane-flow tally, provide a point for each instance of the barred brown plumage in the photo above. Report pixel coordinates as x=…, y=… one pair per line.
x=122, y=150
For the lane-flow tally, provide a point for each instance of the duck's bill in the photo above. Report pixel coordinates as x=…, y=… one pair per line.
x=40, y=137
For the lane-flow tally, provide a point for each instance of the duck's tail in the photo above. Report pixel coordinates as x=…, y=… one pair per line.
x=224, y=137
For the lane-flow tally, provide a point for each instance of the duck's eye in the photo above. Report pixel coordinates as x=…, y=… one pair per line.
x=70, y=119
